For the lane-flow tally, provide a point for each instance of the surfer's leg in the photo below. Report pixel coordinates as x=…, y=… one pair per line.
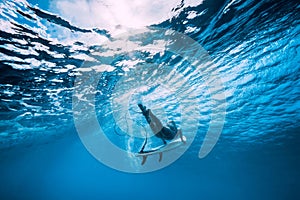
x=145, y=112
x=160, y=156
x=152, y=120
x=144, y=160
x=155, y=119
x=155, y=123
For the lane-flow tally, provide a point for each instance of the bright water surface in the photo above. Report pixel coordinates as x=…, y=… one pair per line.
x=255, y=46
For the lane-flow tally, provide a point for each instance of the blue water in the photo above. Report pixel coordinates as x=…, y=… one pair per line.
x=255, y=46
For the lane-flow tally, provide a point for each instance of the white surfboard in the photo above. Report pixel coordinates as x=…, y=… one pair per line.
x=173, y=144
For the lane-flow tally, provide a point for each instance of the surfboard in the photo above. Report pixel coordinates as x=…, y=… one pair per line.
x=173, y=144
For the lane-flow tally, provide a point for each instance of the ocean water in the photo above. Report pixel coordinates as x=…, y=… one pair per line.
x=254, y=47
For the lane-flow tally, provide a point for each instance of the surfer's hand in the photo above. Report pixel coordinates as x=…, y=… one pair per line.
x=182, y=140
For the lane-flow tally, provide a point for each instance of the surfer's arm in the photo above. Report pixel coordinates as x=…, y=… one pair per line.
x=179, y=132
x=160, y=156
x=144, y=160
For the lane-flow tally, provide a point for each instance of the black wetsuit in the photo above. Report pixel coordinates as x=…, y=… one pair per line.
x=165, y=133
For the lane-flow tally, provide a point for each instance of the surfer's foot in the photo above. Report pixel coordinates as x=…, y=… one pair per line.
x=143, y=108
x=147, y=116
x=146, y=112
x=164, y=141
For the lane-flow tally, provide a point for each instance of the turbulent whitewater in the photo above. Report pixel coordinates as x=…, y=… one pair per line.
x=255, y=46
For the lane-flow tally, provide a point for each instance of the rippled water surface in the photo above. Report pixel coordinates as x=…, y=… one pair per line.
x=254, y=45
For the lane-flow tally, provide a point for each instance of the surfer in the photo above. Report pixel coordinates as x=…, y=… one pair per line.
x=160, y=131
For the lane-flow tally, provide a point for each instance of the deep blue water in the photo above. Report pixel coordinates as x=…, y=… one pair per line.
x=255, y=46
